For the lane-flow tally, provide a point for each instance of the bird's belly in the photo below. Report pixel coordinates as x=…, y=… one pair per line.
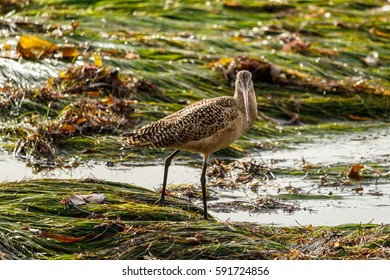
x=213, y=143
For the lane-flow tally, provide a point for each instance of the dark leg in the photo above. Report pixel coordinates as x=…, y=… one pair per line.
x=167, y=163
x=203, y=183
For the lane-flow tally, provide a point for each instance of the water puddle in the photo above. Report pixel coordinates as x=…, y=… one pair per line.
x=341, y=204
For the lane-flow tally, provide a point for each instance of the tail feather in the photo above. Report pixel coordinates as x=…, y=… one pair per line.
x=153, y=135
x=134, y=139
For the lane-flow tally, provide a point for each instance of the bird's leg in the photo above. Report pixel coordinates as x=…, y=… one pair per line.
x=167, y=163
x=203, y=183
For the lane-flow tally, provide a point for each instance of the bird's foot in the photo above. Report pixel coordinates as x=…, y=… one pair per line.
x=160, y=202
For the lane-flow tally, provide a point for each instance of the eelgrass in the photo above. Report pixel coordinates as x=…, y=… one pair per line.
x=128, y=225
x=174, y=48
x=171, y=53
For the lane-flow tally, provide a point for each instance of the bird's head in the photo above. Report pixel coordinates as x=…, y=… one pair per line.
x=244, y=84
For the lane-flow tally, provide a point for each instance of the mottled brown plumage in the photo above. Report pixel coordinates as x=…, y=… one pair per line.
x=202, y=127
x=174, y=129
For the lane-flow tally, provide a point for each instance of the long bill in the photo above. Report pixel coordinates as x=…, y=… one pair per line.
x=245, y=93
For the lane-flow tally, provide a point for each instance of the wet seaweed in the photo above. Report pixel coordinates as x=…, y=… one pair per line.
x=128, y=225
x=74, y=75
x=98, y=103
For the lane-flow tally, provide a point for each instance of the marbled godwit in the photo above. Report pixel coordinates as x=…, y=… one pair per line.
x=203, y=127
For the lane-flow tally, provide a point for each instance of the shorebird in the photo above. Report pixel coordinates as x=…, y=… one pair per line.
x=203, y=127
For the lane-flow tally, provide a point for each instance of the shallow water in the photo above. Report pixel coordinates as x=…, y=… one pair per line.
x=356, y=147
x=372, y=205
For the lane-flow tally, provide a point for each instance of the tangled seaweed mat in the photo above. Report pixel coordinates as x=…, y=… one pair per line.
x=37, y=221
